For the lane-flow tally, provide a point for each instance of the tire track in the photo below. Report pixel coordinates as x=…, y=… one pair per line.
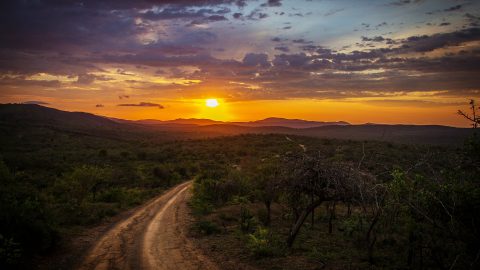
x=154, y=237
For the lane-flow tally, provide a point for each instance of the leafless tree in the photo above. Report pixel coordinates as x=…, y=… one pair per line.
x=472, y=118
x=311, y=181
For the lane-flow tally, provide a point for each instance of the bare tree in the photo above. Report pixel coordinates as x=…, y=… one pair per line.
x=311, y=181
x=472, y=118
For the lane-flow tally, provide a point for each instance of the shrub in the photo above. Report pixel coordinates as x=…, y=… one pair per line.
x=262, y=243
x=206, y=227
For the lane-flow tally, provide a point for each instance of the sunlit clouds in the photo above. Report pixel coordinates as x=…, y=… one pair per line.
x=278, y=59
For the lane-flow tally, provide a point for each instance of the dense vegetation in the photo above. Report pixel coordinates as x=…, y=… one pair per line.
x=275, y=201
x=54, y=181
x=352, y=205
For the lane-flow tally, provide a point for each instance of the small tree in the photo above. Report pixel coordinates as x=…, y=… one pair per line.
x=312, y=181
x=266, y=184
x=474, y=118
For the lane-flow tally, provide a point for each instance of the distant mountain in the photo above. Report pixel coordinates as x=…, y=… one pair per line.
x=31, y=119
x=291, y=123
x=180, y=122
x=268, y=122
x=33, y=114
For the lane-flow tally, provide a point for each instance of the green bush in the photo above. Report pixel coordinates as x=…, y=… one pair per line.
x=262, y=243
x=206, y=227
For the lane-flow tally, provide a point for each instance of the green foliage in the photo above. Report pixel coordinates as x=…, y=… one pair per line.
x=439, y=215
x=352, y=226
x=206, y=227
x=263, y=243
x=247, y=220
x=52, y=181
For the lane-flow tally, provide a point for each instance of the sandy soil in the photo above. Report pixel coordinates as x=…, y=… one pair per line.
x=153, y=237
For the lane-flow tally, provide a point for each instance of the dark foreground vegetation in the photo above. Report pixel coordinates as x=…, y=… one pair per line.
x=274, y=201
x=298, y=203
x=54, y=183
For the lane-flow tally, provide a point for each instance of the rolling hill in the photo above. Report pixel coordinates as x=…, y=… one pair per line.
x=15, y=117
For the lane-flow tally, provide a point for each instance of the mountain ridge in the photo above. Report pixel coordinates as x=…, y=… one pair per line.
x=267, y=122
x=18, y=116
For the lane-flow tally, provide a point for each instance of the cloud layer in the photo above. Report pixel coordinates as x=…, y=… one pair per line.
x=245, y=50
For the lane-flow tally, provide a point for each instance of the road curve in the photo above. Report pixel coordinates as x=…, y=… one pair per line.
x=153, y=237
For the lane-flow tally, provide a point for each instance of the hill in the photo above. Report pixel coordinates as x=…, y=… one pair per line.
x=14, y=116
x=267, y=122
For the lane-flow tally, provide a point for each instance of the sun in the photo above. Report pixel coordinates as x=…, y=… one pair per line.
x=211, y=102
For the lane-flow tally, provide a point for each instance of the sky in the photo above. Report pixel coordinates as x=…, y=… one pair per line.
x=378, y=61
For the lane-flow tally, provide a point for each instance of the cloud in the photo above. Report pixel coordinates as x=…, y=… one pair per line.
x=426, y=43
x=333, y=12
x=453, y=8
x=256, y=14
x=212, y=18
x=256, y=59
x=237, y=15
x=374, y=39
x=301, y=41
x=272, y=3
x=278, y=39
x=99, y=106
x=85, y=79
x=35, y=102
x=142, y=104
x=405, y=2
x=56, y=45
x=282, y=48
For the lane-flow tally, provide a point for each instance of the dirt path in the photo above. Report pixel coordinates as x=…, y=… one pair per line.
x=154, y=237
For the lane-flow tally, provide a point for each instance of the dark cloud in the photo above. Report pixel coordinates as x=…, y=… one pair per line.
x=256, y=14
x=212, y=18
x=256, y=59
x=405, y=2
x=301, y=41
x=132, y=37
x=374, y=39
x=278, y=39
x=241, y=3
x=474, y=21
x=453, y=8
x=186, y=13
x=427, y=43
x=85, y=79
x=142, y=104
x=113, y=4
x=272, y=3
x=282, y=48
x=36, y=102
x=99, y=106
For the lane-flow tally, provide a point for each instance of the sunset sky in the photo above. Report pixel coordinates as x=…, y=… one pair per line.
x=391, y=61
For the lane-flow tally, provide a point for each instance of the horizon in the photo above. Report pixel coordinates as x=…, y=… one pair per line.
x=234, y=122
x=387, y=62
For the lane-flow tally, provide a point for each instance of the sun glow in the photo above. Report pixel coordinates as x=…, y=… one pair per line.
x=211, y=102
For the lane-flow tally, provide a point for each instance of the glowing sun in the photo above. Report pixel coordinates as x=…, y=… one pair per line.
x=211, y=102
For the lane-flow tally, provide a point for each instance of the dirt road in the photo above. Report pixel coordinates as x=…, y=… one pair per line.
x=154, y=237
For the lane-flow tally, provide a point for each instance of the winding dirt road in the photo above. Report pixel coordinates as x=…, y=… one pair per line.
x=154, y=237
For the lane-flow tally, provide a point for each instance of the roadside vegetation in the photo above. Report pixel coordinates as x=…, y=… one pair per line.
x=269, y=201
x=299, y=203
x=54, y=184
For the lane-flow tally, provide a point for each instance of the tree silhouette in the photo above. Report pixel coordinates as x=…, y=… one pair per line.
x=472, y=118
